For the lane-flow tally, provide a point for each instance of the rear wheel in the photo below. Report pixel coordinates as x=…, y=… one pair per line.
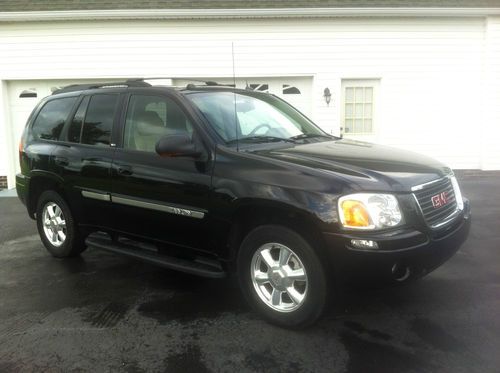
x=281, y=276
x=57, y=227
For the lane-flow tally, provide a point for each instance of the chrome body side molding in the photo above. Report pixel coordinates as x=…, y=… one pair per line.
x=182, y=211
x=96, y=195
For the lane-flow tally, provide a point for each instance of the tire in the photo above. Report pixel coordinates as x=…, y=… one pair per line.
x=281, y=299
x=57, y=227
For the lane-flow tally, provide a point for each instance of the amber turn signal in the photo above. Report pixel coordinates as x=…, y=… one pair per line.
x=355, y=214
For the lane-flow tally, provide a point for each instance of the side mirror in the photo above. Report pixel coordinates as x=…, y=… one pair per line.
x=178, y=145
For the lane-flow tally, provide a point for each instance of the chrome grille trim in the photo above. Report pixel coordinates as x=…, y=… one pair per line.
x=422, y=186
x=436, y=217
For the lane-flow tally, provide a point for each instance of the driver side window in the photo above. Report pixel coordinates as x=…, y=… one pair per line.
x=149, y=118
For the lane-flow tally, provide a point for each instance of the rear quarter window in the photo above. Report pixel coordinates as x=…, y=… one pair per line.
x=51, y=118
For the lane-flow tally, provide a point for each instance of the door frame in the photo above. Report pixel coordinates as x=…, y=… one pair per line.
x=8, y=135
x=361, y=82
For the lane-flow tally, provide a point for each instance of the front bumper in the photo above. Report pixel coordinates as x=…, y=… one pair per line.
x=402, y=254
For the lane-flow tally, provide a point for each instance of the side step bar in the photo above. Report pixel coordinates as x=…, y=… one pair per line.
x=100, y=241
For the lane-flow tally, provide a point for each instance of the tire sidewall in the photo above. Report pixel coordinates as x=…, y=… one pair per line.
x=69, y=247
x=315, y=300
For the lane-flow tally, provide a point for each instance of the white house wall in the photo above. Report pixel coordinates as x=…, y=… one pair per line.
x=432, y=70
x=491, y=108
x=5, y=151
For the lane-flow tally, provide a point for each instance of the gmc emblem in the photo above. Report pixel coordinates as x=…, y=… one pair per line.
x=439, y=200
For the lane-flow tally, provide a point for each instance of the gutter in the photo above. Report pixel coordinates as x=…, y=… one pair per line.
x=117, y=14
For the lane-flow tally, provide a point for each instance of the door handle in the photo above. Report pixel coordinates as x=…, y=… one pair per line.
x=124, y=170
x=61, y=161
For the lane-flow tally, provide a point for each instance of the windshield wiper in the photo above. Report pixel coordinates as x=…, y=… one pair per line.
x=259, y=139
x=309, y=136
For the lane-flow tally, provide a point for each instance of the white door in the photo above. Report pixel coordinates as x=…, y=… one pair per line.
x=358, y=108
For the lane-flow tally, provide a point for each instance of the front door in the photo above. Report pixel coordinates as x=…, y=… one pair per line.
x=155, y=197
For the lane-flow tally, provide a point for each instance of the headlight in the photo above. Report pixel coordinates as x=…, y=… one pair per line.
x=369, y=211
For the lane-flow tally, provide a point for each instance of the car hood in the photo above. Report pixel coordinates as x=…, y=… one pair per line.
x=370, y=166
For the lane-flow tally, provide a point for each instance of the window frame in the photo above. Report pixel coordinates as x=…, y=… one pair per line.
x=354, y=83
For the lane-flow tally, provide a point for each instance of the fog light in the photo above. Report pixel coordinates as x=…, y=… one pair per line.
x=364, y=244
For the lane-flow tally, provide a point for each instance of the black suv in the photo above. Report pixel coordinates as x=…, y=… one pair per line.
x=213, y=180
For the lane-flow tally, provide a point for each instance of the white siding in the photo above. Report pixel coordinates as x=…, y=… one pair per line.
x=491, y=109
x=4, y=151
x=431, y=70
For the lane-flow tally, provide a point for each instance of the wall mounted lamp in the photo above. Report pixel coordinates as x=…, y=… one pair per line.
x=327, y=95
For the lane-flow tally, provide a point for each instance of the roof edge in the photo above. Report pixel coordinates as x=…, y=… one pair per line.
x=242, y=13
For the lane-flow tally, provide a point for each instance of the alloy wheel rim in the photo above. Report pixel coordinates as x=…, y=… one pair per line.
x=54, y=224
x=279, y=277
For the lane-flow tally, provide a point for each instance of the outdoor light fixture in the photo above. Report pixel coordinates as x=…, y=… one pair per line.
x=327, y=95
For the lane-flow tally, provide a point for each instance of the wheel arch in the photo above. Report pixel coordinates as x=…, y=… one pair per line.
x=40, y=181
x=252, y=214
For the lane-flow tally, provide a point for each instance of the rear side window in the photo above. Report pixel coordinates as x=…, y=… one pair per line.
x=75, y=128
x=50, y=121
x=99, y=119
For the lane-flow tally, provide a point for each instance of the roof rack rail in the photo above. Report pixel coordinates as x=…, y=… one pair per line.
x=207, y=82
x=135, y=82
x=82, y=87
x=204, y=81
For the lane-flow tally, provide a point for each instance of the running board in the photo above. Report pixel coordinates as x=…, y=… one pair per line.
x=205, y=269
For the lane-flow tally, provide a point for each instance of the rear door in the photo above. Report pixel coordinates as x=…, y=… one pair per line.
x=84, y=158
x=154, y=197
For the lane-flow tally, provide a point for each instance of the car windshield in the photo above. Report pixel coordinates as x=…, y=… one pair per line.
x=259, y=118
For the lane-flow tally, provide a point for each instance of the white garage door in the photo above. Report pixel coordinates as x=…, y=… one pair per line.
x=295, y=90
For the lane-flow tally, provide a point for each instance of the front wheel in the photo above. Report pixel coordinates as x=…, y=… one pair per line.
x=281, y=276
x=57, y=227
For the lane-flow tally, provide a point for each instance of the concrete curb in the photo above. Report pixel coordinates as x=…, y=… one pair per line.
x=8, y=193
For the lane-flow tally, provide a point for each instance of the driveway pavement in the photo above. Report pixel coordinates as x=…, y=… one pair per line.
x=106, y=313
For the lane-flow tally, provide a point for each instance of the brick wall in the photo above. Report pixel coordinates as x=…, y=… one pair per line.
x=3, y=182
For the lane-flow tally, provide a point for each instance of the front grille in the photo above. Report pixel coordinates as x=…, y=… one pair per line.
x=434, y=215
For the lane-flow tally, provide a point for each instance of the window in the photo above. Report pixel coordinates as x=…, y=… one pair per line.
x=358, y=98
x=258, y=87
x=290, y=90
x=151, y=117
x=50, y=121
x=28, y=93
x=75, y=128
x=256, y=115
x=99, y=120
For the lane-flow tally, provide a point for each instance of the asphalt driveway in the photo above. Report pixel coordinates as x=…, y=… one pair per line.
x=105, y=313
